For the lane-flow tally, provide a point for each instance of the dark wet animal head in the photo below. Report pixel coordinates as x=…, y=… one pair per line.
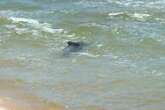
x=76, y=44
x=73, y=47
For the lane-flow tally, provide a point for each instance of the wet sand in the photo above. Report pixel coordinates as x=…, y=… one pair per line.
x=15, y=96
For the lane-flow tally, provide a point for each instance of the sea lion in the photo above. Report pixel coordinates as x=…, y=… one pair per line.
x=73, y=47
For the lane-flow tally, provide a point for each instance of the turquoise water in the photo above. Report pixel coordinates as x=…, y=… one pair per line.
x=123, y=67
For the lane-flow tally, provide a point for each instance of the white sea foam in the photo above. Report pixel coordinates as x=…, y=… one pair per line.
x=88, y=54
x=93, y=24
x=36, y=24
x=99, y=45
x=116, y=14
x=31, y=21
x=140, y=15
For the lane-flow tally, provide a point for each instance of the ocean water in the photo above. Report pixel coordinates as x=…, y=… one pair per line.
x=123, y=67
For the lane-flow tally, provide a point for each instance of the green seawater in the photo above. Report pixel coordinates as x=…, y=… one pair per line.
x=123, y=67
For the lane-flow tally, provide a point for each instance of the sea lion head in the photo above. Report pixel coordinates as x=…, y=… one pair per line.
x=73, y=47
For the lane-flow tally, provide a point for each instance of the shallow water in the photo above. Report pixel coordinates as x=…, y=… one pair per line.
x=121, y=69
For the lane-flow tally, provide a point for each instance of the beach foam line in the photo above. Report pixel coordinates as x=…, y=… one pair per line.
x=88, y=54
x=46, y=27
x=140, y=15
x=116, y=14
x=132, y=15
x=17, y=20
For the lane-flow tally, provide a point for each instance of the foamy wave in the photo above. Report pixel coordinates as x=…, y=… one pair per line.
x=88, y=54
x=17, y=20
x=140, y=15
x=116, y=14
x=36, y=24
